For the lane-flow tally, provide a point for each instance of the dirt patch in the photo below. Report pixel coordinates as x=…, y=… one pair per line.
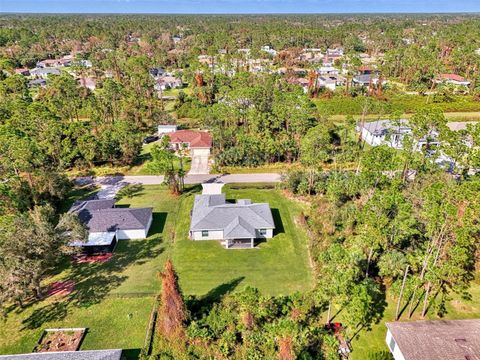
x=90, y=259
x=60, y=288
x=60, y=340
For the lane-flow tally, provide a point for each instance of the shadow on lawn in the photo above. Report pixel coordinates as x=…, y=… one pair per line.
x=93, y=282
x=277, y=219
x=199, y=306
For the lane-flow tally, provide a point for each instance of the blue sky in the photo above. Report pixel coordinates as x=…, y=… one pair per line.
x=237, y=6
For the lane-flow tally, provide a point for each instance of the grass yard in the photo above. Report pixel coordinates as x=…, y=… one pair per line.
x=277, y=266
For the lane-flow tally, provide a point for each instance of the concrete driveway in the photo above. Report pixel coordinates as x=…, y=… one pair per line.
x=199, y=165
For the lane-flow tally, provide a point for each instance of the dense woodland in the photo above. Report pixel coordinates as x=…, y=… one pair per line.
x=377, y=215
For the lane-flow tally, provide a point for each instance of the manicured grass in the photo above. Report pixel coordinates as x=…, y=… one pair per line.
x=268, y=168
x=277, y=266
x=371, y=342
x=450, y=116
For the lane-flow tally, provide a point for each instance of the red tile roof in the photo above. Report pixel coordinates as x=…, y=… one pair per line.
x=196, y=139
x=453, y=77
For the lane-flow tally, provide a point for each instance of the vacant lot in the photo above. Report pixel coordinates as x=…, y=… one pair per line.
x=114, y=299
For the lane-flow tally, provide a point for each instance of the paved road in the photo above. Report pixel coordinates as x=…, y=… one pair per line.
x=116, y=181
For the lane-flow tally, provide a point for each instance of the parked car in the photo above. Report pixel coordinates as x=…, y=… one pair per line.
x=150, y=139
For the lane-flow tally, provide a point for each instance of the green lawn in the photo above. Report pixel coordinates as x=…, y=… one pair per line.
x=114, y=299
x=277, y=266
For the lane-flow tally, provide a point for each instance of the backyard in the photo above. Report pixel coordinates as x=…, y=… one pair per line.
x=114, y=299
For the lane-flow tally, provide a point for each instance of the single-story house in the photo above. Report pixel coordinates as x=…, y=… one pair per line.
x=166, y=129
x=452, y=79
x=167, y=82
x=327, y=70
x=198, y=142
x=367, y=80
x=44, y=72
x=236, y=224
x=386, y=132
x=22, y=71
x=328, y=82
x=434, y=340
x=114, y=354
x=269, y=50
x=106, y=224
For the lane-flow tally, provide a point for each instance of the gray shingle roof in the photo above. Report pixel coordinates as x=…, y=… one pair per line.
x=116, y=219
x=101, y=216
x=212, y=212
x=381, y=127
x=68, y=355
x=92, y=205
x=438, y=340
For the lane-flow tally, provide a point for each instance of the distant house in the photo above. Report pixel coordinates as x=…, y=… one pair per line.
x=452, y=79
x=22, y=71
x=44, y=72
x=386, y=132
x=37, y=83
x=236, y=224
x=328, y=82
x=166, y=129
x=301, y=82
x=167, y=82
x=328, y=70
x=335, y=53
x=366, y=80
x=106, y=224
x=68, y=355
x=48, y=63
x=434, y=340
x=198, y=142
x=269, y=50
x=85, y=63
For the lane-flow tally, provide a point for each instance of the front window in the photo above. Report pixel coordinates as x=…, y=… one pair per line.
x=204, y=233
x=263, y=231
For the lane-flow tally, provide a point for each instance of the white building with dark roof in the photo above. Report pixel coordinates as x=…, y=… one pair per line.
x=236, y=224
x=434, y=340
x=106, y=224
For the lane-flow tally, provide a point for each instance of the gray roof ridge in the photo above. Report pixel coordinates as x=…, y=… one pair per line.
x=255, y=205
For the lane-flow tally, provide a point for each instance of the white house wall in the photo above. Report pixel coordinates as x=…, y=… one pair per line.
x=131, y=234
x=397, y=354
x=212, y=235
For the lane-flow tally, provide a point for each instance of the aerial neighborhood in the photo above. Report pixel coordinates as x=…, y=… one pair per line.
x=263, y=186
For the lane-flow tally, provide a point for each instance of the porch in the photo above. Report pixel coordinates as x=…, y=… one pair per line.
x=238, y=243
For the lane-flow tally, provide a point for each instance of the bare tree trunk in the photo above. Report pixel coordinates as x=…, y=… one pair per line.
x=401, y=293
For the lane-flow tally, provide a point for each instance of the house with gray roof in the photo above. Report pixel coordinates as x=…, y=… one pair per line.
x=115, y=354
x=106, y=224
x=237, y=225
x=434, y=340
x=391, y=133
